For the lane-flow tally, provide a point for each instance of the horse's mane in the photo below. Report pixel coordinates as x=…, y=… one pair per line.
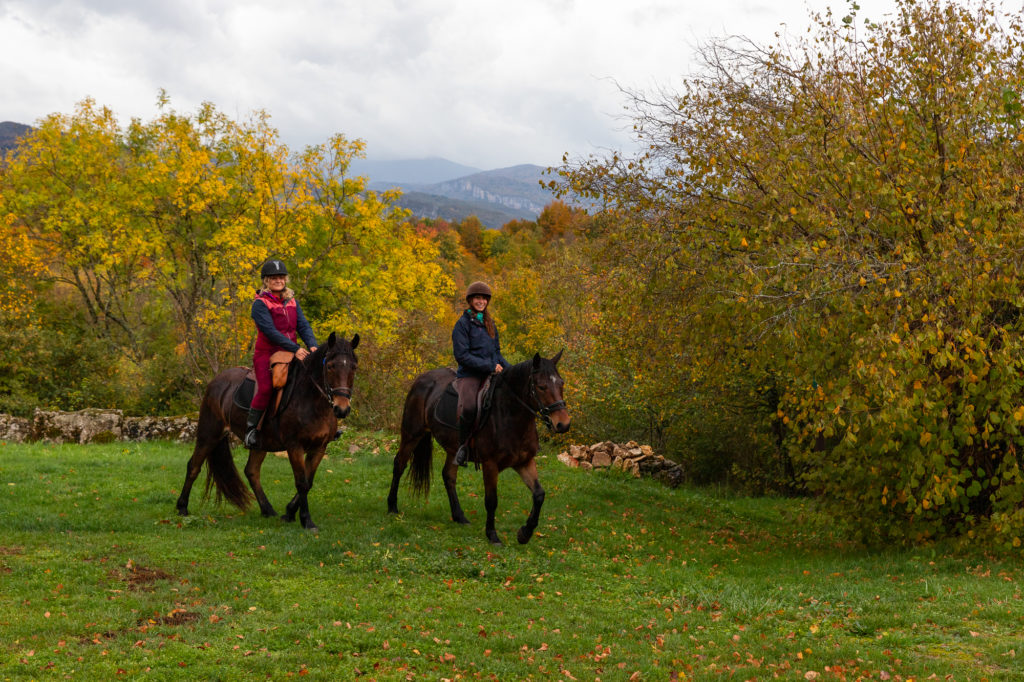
x=315, y=356
x=312, y=361
x=518, y=373
x=321, y=352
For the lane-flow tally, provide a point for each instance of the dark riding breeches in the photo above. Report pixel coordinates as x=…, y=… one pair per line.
x=467, y=387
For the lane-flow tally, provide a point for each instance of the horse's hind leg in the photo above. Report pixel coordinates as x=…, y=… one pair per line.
x=402, y=457
x=192, y=469
x=528, y=472
x=252, y=473
x=209, y=432
x=449, y=474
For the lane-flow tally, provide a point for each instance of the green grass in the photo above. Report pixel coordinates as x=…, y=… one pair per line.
x=626, y=579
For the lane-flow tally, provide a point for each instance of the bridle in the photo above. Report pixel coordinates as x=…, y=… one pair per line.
x=542, y=411
x=330, y=393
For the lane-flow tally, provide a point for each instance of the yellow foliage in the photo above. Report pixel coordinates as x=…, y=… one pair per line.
x=172, y=218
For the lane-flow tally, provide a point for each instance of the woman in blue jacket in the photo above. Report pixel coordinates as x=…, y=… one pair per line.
x=478, y=352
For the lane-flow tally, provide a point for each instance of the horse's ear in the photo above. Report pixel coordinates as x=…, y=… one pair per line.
x=355, y=341
x=536, y=361
x=331, y=340
x=557, y=357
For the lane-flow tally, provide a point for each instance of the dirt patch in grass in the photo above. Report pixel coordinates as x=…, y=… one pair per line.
x=175, y=617
x=9, y=551
x=97, y=637
x=139, y=577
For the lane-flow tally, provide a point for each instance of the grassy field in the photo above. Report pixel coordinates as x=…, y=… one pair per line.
x=625, y=580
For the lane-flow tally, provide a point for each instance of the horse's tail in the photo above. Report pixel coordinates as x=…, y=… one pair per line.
x=222, y=473
x=422, y=458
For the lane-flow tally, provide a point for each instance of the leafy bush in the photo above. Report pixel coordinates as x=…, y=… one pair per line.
x=840, y=212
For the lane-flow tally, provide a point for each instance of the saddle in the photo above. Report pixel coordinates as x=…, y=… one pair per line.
x=283, y=387
x=447, y=406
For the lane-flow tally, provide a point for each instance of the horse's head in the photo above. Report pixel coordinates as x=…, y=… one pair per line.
x=339, y=372
x=547, y=388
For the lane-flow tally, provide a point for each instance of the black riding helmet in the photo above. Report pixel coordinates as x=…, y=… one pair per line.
x=273, y=267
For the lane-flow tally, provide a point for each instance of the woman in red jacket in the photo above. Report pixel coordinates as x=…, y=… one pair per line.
x=279, y=323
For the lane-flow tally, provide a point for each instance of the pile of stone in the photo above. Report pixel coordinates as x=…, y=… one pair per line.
x=15, y=429
x=93, y=426
x=639, y=460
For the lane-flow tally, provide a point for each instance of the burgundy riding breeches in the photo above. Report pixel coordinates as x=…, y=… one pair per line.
x=264, y=380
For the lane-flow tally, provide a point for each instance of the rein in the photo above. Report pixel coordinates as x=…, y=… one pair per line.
x=543, y=411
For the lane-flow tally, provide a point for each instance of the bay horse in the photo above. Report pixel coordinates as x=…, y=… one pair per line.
x=320, y=396
x=506, y=437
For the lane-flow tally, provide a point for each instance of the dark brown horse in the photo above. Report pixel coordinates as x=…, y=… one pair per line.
x=320, y=396
x=506, y=438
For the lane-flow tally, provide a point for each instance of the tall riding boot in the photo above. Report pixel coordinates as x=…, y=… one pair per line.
x=465, y=427
x=251, y=424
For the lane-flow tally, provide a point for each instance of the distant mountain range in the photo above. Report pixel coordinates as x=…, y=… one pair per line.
x=9, y=134
x=410, y=171
x=432, y=188
x=436, y=188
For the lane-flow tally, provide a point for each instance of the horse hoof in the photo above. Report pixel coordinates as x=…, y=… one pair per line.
x=312, y=528
x=182, y=512
x=495, y=540
x=523, y=536
x=461, y=519
x=286, y=517
x=269, y=513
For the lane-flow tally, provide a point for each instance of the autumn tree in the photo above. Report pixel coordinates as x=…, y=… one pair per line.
x=829, y=228
x=560, y=221
x=471, y=236
x=65, y=189
x=156, y=230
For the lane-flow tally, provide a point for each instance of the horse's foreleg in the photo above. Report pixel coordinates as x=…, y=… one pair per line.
x=449, y=474
x=299, y=503
x=252, y=472
x=491, y=499
x=313, y=460
x=528, y=472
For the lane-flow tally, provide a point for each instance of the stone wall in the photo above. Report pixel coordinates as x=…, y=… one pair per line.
x=93, y=426
x=639, y=460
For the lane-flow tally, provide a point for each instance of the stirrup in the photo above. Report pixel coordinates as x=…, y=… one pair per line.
x=252, y=439
x=461, y=455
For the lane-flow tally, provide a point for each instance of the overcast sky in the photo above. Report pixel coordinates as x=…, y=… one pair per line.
x=480, y=82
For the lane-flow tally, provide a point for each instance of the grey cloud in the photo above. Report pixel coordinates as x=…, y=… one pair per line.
x=481, y=83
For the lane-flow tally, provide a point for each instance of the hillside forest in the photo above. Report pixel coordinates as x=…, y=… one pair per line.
x=807, y=283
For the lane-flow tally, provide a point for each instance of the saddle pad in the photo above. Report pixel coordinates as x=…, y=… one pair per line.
x=278, y=402
x=447, y=406
x=244, y=393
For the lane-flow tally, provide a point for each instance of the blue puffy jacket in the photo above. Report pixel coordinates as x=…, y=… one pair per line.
x=475, y=351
